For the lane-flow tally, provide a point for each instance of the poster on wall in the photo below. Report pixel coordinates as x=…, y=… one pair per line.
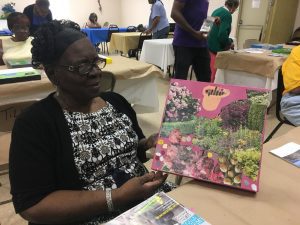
x=255, y=4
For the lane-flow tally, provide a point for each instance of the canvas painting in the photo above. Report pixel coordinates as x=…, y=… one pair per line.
x=213, y=132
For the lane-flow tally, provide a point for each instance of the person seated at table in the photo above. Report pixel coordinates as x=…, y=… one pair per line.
x=290, y=102
x=76, y=156
x=218, y=38
x=158, y=21
x=92, y=22
x=19, y=45
x=38, y=13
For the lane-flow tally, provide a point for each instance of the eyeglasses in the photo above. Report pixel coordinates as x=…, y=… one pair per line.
x=85, y=68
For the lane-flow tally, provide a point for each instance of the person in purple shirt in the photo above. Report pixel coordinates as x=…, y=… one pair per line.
x=190, y=45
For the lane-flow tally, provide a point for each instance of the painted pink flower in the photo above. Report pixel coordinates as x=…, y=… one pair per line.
x=175, y=136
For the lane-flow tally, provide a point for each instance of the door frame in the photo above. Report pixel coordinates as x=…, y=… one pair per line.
x=264, y=28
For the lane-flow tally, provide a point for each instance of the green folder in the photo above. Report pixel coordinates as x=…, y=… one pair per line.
x=18, y=63
x=19, y=75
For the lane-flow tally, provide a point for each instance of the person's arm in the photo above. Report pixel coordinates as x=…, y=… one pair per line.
x=223, y=35
x=67, y=206
x=177, y=16
x=1, y=53
x=153, y=25
x=147, y=143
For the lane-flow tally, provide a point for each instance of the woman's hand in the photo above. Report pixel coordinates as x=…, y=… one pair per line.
x=148, y=31
x=151, y=141
x=138, y=188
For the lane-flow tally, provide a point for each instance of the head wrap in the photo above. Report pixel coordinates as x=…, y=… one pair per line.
x=64, y=39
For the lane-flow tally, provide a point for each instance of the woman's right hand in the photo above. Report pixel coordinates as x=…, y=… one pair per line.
x=138, y=188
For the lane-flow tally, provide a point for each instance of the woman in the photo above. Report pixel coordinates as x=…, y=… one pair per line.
x=158, y=21
x=75, y=156
x=218, y=38
x=290, y=102
x=92, y=23
x=19, y=45
x=38, y=14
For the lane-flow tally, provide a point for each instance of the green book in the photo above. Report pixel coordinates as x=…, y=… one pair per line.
x=19, y=75
x=18, y=63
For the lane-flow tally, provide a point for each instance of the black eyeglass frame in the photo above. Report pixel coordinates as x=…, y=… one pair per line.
x=76, y=68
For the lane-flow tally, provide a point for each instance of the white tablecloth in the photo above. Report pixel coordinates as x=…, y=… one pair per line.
x=246, y=79
x=158, y=52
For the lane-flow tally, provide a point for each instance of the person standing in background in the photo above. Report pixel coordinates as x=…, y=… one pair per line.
x=38, y=14
x=158, y=21
x=218, y=38
x=190, y=45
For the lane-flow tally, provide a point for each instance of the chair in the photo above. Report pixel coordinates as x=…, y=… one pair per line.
x=295, y=39
x=106, y=24
x=296, y=35
x=131, y=29
x=111, y=29
x=172, y=27
x=8, y=113
x=282, y=120
x=249, y=42
x=108, y=81
x=142, y=38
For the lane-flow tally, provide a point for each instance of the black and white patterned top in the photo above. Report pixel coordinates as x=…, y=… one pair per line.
x=105, y=150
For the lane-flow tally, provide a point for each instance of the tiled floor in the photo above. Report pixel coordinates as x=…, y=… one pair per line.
x=150, y=123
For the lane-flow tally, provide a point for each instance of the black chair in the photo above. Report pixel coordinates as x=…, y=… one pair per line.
x=282, y=119
x=172, y=27
x=108, y=81
x=296, y=35
x=131, y=29
x=142, y=38
x=295, y=39
x=111, y=29
x=171, y=30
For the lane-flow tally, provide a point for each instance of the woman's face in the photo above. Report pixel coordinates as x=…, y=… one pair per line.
x=82, y=87
x=21, y=29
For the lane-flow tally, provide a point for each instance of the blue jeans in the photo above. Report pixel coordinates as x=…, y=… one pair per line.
x=290, y=108
x=160, y=34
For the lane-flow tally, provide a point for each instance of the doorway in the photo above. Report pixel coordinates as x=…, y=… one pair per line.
x=252, y=20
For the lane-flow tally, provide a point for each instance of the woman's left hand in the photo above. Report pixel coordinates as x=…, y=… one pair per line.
x=151, y=141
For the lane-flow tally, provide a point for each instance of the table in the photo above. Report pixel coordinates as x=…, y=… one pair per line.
x=276, y=203
x=136, y=81
x=158, y=52
x=248, y=69
x=29, y=90
x=97, y=35
x=124, y=41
